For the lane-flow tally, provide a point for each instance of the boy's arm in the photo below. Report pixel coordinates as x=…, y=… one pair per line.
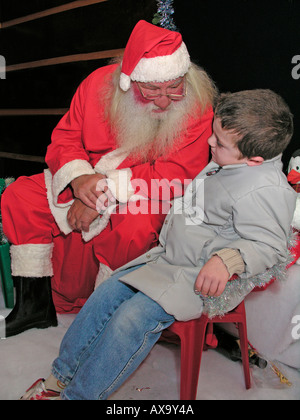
x=214, y=275
x=262, y=219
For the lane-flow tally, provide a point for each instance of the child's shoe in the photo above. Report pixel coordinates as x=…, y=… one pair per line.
x=37, y=391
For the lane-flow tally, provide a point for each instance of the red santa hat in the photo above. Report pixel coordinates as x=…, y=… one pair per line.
x=153, y=54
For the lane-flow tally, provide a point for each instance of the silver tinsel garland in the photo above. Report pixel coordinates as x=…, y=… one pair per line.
x=236, y=290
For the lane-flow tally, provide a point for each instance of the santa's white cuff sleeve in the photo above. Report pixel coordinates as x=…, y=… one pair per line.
x=66, y=174
x=119, y=183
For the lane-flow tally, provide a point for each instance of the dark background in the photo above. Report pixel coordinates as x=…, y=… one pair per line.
x=242, y=44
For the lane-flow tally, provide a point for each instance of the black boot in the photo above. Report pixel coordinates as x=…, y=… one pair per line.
x=34, y=306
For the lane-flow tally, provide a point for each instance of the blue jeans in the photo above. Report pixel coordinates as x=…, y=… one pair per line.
x=109, y=338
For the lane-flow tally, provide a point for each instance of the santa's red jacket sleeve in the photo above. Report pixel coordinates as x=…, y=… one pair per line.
x=82, y=143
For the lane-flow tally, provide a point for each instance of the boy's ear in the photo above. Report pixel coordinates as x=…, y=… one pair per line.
x=255, y=161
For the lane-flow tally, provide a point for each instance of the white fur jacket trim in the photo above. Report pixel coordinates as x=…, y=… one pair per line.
x=119, y=182
x=66, y=174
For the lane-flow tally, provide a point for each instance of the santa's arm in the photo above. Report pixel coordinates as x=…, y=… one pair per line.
x=66, y=156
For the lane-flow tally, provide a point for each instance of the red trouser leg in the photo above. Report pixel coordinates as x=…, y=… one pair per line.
x=25, y=212
x=29, y=227
x=32, y=231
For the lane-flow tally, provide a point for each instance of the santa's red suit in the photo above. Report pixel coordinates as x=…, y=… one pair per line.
x=34, y=208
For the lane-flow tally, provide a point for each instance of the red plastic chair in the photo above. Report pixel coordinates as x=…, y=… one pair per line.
x=192, y=336
x=195, y=334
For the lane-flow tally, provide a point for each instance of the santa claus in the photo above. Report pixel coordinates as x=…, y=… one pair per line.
x=135, y=134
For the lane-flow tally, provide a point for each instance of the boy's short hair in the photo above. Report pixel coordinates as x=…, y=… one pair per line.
x=261, y=120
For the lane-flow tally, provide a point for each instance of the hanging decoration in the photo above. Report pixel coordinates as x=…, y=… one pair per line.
x=164, y=14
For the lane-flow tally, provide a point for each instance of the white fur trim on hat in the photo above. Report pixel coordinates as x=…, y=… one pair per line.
x=159, y=69
x=163, y=68
x=124, y=82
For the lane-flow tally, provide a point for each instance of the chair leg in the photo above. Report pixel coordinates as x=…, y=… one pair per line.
x=244, y=350
x=192, y=343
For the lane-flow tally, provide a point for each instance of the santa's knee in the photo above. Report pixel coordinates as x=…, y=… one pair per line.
x=16, y=194
x=9, y=197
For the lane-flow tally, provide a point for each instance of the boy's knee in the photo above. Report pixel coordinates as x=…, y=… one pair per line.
x=142, y=309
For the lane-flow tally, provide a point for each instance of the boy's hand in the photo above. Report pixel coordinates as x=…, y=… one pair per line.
x=213, y=277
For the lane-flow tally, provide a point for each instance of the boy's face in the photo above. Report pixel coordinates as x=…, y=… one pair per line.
x=223, y=146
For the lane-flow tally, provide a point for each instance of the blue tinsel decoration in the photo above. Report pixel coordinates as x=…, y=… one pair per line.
x=164, y=15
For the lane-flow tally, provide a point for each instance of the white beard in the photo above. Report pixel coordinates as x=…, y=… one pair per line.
x=146, y=134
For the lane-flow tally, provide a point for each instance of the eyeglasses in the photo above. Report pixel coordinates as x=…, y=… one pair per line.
x=154, y=96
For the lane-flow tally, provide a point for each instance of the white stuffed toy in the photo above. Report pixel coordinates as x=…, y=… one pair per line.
x=294, y=179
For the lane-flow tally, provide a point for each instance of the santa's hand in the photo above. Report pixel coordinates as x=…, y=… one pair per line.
x=80, y=216
x=86, y=189
x=105, y=198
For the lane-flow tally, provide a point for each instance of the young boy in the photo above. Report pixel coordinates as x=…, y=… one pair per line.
x=234, y=219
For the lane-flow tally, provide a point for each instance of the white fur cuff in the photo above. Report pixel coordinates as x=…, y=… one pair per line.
x=118, y=182
x=31, y=260
x=98, y=225
x=67, y=173
x=110, y=161
x=59, y=213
